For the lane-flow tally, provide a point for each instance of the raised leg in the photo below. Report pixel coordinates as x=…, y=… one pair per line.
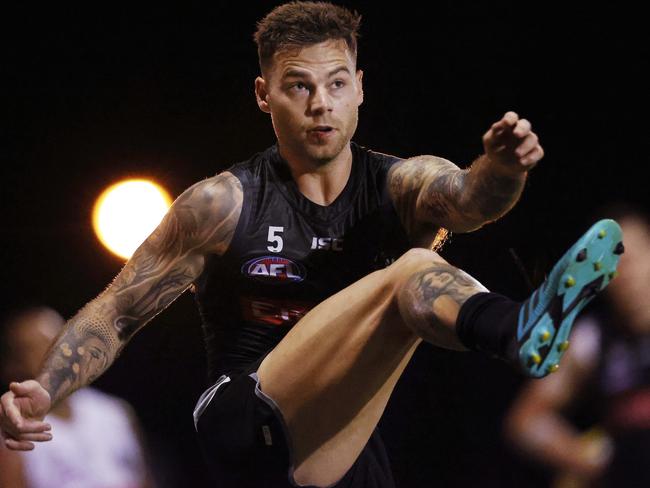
x=333, y=374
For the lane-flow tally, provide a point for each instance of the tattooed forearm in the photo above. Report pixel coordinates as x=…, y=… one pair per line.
x=489, y=193
x=82, y=352
x=201, y=221
x=432, y=189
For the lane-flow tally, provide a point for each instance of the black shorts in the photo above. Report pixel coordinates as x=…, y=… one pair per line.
x=244, y=442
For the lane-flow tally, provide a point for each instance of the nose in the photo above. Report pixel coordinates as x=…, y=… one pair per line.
x=320, y=101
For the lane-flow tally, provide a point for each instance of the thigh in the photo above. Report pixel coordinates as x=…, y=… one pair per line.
x=332, y=375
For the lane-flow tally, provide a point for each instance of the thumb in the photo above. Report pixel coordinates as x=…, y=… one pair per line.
x=25, y=388
x=17, y=388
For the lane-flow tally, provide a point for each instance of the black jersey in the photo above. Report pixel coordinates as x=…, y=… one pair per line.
x=289, y=254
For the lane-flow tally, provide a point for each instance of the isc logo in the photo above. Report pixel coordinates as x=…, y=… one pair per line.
x=274, y=270
x=333, y=243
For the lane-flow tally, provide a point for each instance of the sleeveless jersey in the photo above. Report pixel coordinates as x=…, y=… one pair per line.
x=288, y=254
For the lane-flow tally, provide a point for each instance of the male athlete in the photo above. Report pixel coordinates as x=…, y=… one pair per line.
x=312, y=289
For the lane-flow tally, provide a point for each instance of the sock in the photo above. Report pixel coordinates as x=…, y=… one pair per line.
x=488, y=322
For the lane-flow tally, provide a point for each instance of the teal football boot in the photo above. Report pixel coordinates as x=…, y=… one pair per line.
x=546, y=318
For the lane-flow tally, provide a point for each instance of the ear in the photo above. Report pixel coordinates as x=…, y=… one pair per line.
x=262, y=95
x=360, y=85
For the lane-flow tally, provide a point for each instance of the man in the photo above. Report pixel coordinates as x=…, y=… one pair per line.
x=76, y=459
x=311, y=291
x=608, y=372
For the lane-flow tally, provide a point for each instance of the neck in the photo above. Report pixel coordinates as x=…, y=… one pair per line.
x=321, y=182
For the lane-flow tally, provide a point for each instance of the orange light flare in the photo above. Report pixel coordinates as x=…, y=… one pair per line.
x=127, y=212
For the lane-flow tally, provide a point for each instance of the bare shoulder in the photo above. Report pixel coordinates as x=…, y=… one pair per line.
x=223, y=190
x=221, y=185
x=206, y=214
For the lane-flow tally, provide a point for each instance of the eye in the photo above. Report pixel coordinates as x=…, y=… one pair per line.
x=339, y=84
x=299, y=86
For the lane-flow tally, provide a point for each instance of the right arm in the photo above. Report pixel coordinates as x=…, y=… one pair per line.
x=201, y=221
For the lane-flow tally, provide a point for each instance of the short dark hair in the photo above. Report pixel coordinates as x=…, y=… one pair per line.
x=298, y=24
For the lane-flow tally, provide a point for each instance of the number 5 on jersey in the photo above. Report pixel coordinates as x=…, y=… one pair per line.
x=275, y=238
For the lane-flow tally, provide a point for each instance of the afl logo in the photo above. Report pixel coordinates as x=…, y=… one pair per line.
x=274, y=270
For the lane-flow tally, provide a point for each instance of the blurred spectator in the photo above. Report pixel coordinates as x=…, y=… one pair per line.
x=607, y=368
x=96, y=441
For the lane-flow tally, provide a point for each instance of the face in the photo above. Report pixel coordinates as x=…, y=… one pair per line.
x=313, y=95
x=629, y=291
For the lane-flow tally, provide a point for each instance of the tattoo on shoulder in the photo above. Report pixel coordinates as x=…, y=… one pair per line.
x=201, y=221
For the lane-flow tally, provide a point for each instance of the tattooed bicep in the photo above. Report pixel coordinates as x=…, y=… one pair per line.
x=201, y=221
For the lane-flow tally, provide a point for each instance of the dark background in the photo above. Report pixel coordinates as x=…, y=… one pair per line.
x=99, y=93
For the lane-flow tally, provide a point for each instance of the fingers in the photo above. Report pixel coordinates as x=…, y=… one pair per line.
x=512, y=143
x=22, y=389
x=10, y=408
x=509, y=126
x=12, y=420
x=526, y=145
x=508, y=121
x=27, y=426
x=533, y=156
x=19, y=445
x=29, y=388
x=41, y=437
x=521, y=129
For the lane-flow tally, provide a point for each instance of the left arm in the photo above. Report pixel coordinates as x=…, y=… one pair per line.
x=432, y=190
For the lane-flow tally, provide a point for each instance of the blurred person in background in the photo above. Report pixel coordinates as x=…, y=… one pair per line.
x=607, y=371
x=77, y=459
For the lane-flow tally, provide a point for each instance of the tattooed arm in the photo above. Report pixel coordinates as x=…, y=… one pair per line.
x=201, y=221
x=432, y=190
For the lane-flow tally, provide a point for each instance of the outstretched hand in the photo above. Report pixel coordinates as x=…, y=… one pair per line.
x=511, y=144
x=22, y=410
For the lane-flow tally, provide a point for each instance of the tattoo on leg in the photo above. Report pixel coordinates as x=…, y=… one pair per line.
x=444, y=279
x=438, y=287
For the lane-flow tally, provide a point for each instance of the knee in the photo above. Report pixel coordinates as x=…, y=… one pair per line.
x=411, y=262
x=396, y=276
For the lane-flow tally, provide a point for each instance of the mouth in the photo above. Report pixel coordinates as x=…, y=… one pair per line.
x=321, y=129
